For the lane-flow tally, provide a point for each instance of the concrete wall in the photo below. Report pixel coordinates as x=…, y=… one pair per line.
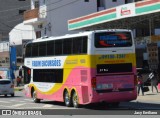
x=60, y=12
x=9, y=15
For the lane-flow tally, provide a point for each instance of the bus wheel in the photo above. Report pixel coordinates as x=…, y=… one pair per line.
x=75, y=100
x=34, y=96
x=67, y=99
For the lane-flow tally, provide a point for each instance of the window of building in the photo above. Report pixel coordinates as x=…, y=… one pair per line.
x=86, y=0
x=21, y=11
x=36, y=4
x=114, y=0
x=38, y=34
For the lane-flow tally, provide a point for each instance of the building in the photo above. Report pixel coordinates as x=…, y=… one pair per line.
x=143, y=17
x=54, y=18
x=18, y=37
x=49, y=17
x=11, y=14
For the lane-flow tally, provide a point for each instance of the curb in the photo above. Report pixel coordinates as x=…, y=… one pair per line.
x=18, y=89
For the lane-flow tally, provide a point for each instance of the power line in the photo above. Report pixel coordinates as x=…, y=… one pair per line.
x=62, y=6
x=41, y=13
x=24, y=7
x=14, y=9
x=13, y=27
x=28, y=6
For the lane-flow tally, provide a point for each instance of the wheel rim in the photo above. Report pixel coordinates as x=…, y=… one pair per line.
x=67, y=99
x=75, y=100
x=34, y=95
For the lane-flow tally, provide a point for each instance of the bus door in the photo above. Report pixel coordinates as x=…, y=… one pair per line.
x=27, y=75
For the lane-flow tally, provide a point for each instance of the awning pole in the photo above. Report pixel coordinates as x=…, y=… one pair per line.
x=150, y=28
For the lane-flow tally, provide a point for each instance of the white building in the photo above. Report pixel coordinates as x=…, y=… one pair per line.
x=49, y=17
x=21, y=33
x=18, y=36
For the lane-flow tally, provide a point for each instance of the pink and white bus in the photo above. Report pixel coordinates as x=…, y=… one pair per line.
x=89, y=67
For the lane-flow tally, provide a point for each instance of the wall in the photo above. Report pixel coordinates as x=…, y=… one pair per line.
x=60, y=12
x=9, y=15
x=109, y=4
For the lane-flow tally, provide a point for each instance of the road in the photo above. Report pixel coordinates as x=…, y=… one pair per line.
x=149, y=101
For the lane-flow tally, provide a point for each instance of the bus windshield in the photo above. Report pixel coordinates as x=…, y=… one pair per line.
x=113, y=39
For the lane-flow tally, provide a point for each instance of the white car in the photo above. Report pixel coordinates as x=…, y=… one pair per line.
x=6, y=87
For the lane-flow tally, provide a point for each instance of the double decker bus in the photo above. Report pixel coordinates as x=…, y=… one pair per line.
x=83, y=68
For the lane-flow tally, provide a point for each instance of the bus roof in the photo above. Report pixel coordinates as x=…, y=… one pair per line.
x=76, y=35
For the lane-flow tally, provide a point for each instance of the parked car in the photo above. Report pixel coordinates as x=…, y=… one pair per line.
x=6, y=87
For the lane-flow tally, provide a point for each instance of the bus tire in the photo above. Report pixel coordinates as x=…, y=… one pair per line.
x=34, y=96
x=75, y=100
x=67, y=99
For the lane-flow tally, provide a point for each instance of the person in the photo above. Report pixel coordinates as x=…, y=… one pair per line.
x=140, y=83
x=18, y=80
x=154, y=80
x=1, y=77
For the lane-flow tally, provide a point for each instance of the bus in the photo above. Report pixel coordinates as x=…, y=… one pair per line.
x=83, y=68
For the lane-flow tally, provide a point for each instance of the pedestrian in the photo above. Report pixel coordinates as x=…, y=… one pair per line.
x=140, y=83
x=154, y=80
x=18, y=79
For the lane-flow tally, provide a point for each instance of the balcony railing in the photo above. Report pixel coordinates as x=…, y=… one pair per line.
x=31, y=14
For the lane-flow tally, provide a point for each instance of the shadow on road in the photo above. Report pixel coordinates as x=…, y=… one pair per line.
x=9, y=96
x=105, y=106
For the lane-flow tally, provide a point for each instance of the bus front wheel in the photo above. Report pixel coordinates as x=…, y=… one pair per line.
x=75, y=100
x=35, y=99
x=67, y=99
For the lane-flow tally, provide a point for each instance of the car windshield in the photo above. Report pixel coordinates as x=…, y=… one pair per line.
x=5, y=82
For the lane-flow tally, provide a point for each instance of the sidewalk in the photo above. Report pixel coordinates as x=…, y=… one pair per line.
x=149, y=96
x=19, y=88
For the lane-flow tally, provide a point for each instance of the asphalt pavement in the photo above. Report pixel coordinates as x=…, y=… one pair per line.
x=148, y=96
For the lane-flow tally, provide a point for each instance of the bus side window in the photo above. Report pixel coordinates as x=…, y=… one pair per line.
x=77, y=45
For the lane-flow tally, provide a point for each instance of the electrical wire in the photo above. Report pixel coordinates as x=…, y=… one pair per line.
x=41, y=13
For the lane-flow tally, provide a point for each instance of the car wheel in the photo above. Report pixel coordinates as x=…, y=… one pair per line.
x=34, y=96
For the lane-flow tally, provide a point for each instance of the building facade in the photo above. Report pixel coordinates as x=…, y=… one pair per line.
x=49, y=17
x=11, y=14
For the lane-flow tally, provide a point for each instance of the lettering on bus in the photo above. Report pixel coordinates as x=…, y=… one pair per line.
x=46, y=63
x=113, y=56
